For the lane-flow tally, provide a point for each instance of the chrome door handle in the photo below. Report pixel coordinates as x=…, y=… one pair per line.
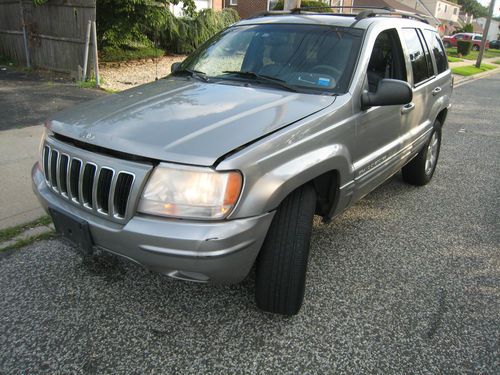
x=436, y=91
x=407, y=108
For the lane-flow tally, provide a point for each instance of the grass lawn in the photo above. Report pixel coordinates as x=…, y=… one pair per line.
x=452, y=52
x=496, y=62
x=471, y=69
x=9, y=233
x=454, y=59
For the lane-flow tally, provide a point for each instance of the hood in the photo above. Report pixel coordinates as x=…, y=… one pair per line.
x=183, y=120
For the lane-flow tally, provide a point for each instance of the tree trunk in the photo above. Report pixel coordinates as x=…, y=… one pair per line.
x=291, y=4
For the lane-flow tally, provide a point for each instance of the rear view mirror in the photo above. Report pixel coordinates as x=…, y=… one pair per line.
x=389, y=92
x=175, y=66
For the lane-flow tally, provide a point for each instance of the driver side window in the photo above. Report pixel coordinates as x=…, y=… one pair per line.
x=387, y=59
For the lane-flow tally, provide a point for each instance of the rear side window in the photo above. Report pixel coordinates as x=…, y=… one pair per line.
x=436, y=46
x=417, y=55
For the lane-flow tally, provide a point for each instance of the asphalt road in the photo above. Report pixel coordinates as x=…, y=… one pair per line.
x=407, y=281
x=29, y=98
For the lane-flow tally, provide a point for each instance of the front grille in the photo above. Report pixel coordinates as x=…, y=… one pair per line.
x=103, y=189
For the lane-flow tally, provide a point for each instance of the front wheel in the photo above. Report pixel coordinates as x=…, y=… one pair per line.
x=282, y=262
x=420, y=169
x=475, y=47
x=447, y=45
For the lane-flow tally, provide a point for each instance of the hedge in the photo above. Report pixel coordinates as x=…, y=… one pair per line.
x=464, y=47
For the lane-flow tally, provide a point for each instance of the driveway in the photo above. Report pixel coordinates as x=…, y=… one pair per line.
x=29, y=98
x=407, y=281
x=26, y=100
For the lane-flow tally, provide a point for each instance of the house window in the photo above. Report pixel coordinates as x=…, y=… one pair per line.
x=233, y=2
x=455, y=11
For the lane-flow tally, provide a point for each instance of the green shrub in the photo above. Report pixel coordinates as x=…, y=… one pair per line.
x=107, y=54
x=305, y=4
x=184, y=35
x=464, y=47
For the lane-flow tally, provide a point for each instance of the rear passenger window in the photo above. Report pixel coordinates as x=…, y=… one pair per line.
x=417, y=56
x=436, y=46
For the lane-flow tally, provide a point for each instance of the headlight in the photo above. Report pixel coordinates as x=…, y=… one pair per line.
x=190, y=192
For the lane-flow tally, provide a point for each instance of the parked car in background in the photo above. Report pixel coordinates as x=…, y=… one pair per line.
x=224, y=163
x=476, y=39
x=495, y=44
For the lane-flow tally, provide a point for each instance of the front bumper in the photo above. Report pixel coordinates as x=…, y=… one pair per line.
x=221, y=251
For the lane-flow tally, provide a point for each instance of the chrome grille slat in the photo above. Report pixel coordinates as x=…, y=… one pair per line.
x=89, y=185
x=111, y=199
x=74, y=179
x=98, y=186
x=103, y=189
x=123, y=187
x=46, y=153
x=54, y=159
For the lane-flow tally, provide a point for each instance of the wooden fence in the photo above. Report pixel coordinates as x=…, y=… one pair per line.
x=55, y=32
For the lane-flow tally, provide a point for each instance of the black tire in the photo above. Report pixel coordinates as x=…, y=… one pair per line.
x=447, y=45
x=475, y=47
x=282, y=262
x=416, y=172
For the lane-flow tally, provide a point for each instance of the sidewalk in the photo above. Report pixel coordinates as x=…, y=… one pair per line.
x=27, y=99
x=19, y=152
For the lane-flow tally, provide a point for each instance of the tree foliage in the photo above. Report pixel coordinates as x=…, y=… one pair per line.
x=128, y=22
x=473, y=7
x=468, y=28
x=132, y=24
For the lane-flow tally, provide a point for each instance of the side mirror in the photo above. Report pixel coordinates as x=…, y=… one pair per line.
x=175, y=66
x=389, y=92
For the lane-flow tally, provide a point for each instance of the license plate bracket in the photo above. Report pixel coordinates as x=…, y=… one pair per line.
x=73, y=229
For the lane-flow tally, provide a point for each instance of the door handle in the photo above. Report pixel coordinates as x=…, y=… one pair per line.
x=436, y=91
x=407, y=108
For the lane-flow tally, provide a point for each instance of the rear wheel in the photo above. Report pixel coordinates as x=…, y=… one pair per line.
x=447, y=45
x=282, y=262
x=475, y=47
x=420, y=169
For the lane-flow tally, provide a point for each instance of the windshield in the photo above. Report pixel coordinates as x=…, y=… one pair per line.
x=308, y=58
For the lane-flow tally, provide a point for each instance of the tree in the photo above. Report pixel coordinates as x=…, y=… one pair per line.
x=473, y=7
x=128, y=22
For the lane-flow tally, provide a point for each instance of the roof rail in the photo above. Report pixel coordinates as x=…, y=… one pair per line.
x=365, y=12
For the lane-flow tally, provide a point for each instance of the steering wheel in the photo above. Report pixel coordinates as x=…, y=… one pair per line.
x=327, y=69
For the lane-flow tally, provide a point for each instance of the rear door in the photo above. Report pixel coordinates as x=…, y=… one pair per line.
x=416, y=122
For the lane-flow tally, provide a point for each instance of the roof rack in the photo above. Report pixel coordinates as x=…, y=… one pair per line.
x=366, y=12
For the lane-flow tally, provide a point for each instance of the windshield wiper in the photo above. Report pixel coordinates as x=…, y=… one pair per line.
x=262, y=78
x=193, y=73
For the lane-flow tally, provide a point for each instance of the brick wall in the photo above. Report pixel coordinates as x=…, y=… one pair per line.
x=217, y=4
x=246, y=8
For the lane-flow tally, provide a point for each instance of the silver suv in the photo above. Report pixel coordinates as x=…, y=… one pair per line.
x=223, y=164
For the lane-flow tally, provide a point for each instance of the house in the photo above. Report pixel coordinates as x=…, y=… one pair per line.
x=246, y=8
x=493, y=31
x=444, y=10
x=200, y=4
x=393, y=4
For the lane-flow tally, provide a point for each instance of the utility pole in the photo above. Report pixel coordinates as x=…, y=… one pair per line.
x=485, y=34
x=291, y=4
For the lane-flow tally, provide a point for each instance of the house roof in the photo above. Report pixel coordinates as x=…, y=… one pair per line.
x=384, y=3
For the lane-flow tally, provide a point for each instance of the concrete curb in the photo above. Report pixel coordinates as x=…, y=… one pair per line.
x=463, y=80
